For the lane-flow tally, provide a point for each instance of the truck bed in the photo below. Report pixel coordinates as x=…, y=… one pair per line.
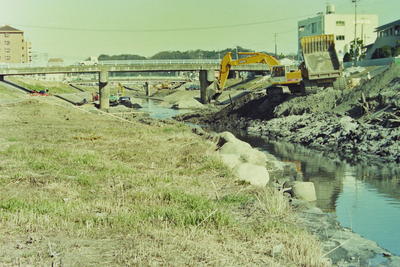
x=320, y=57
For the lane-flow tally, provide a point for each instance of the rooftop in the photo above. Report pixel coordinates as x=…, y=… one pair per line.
x=388, y=25
x=8, y=28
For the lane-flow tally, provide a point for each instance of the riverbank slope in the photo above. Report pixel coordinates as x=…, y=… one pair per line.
x=83, y=188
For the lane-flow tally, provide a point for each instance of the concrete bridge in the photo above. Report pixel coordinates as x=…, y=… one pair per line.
x=124, y=66
x=206, y=69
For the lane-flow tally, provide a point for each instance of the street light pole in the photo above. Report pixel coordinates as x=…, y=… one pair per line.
x=355, y=30
x=276, y=47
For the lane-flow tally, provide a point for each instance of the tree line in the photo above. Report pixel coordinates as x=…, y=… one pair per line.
x=190, y=54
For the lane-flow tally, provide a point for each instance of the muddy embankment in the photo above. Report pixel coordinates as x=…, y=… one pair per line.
x=359, y=124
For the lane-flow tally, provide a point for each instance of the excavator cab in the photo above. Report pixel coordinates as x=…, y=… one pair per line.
x=278, y=73
x=281, y=74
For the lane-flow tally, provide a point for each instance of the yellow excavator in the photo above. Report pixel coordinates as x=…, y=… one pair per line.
x=320, y=69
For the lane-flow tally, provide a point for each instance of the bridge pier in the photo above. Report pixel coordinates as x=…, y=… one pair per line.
x=206, y=78
x=147, y=88
x=1, y=78
x=104, y=90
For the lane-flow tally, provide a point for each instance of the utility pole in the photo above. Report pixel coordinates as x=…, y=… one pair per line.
x=276, y=47
x=355, y=31
x=237, y=54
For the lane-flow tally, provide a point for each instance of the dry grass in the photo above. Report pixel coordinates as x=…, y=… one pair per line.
x=80, y=189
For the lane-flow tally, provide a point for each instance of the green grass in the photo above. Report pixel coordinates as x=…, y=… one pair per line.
x=102, y=192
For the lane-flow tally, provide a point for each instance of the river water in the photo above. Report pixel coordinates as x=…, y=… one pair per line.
x=157, y=111
x=364, y=197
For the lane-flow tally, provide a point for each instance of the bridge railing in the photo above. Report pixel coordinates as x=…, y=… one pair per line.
x=116, y=62
x=159, y=62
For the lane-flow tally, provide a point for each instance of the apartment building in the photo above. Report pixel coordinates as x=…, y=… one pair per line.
x=342, y=26
x=13, y=46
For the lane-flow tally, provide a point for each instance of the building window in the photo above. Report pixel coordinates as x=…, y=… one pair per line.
x=8, y=57
x=7, y=42
x=6, y=35
x=7, y=50
x=340, y=23
x=339, y=37
x=301, y=29
x=313, y=27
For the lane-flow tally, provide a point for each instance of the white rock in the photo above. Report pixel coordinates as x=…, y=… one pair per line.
x=254, y=174
x=231, y=160
x=245, y=151
x=304, y=191
x=234, y=147
x=227, y=136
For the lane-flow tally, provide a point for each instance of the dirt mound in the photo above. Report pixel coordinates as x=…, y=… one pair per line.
x=376, y=101
x=323, y=101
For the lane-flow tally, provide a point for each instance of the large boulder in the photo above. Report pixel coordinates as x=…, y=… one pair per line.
x=246, y=152
x=227, y=137
x=254, y=174
x=304, y=190
x=231, y=160
x=246, y=162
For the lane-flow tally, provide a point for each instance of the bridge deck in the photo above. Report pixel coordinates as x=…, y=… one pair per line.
x=142, y=66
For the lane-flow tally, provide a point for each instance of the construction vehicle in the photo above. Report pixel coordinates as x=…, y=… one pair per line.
x=320, y=69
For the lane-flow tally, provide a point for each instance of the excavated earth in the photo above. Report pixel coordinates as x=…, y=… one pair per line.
x=359, y=124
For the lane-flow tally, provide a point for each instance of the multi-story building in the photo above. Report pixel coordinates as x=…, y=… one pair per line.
x=388, y=35
x=13, y=46
x=343, y=26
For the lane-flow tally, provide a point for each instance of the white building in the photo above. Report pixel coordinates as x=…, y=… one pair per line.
x=342, y=26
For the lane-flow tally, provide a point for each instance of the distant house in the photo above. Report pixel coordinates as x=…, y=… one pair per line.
x=53, y=62
x=13, y=47
x=388, y=37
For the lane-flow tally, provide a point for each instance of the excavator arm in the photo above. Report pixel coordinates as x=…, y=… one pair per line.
x=252, y=57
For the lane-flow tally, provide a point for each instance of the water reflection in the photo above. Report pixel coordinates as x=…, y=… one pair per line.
x=365, y=197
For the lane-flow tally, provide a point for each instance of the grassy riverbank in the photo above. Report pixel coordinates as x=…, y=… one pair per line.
x=83, y=189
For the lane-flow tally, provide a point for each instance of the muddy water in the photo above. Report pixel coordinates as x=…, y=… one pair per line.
x=365, y=197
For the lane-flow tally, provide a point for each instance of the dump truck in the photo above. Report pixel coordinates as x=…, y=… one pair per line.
x=321, y=66
x=320, y=69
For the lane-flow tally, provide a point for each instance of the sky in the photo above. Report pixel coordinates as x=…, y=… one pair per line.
x=76, y=29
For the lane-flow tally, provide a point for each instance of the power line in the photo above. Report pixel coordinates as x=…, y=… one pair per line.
x=162, y=29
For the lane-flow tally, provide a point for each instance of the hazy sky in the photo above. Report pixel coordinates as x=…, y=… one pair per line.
x=80, y=28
